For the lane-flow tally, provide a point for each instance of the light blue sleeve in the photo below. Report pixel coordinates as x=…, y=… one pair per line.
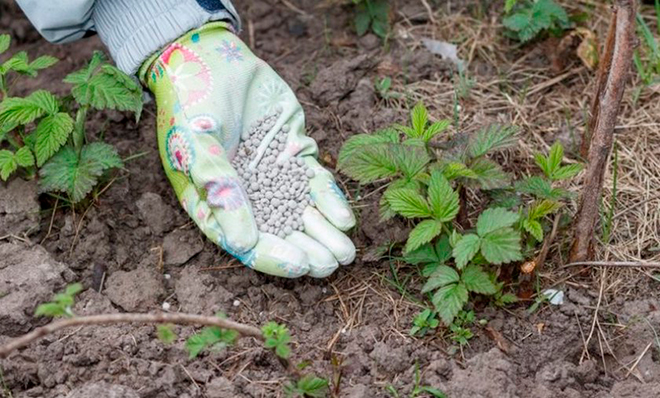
x=132, y=30
x=60, y=21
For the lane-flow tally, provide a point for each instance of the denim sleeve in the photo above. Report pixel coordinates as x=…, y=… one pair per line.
x=131, y=29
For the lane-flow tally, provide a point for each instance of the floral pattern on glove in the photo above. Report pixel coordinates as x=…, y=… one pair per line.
x=189, y=74
x=230, y=51
x=180, y=152
x=225, y=193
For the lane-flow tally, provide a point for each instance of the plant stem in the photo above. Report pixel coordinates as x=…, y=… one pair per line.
x=612, y=78
x=105, y=319
x=79, y=129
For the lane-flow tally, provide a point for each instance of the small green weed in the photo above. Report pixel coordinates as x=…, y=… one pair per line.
x=61, y=304
x=384, y=89
x=527, y=19
x=308, y=386
x=58, y=146
x=372, y=15
x=647, y=57
x=424, y=322
x=418, y=388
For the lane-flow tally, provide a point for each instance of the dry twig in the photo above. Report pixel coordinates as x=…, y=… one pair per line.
x=612, y=78
x=106, y=319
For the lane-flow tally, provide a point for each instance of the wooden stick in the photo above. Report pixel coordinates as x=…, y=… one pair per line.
x=612, y=79
x=106, y=319
x=625, y=264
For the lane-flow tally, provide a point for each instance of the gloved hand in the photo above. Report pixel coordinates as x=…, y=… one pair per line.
x=209, y=90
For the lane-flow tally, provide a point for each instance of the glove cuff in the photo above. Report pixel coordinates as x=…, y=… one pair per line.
x=135, y=29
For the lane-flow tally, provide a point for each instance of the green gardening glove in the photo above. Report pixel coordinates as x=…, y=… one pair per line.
x=210, y=90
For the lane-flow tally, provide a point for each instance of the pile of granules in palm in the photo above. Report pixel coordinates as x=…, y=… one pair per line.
x=278, y=191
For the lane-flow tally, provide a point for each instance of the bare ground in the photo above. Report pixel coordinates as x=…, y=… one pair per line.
x=353, y=327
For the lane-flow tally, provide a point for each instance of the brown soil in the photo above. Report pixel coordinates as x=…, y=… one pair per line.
x=136, y=246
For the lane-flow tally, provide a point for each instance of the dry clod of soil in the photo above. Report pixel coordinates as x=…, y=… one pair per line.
x=392, y=360
x=220, y=387
x=28, y=277
x=158, y=215
x=19, y=207
x=181, y=245
x=197, y=293
x=337, y=80
x=489, y=375
x=137, y=290
x=103, y=390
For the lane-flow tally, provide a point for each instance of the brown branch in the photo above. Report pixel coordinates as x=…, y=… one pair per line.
x=612, y=79
x=106, y=319
x=540, y=258
x=624, y=264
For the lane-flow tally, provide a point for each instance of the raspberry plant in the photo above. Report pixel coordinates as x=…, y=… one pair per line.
x=426, y=179
x=527, y=19
x=372, y=15
x=44, y=132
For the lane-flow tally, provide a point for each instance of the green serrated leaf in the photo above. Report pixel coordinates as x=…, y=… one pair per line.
x=419, y=118
x=362, y=20
x=508, y=298
x=371, y=163
x=442, y=276
x=443, y=249
x=465, y=249
x=411, y=159
x=65, y=173
x=555, y=157
x=103, y=86
x=443, y=199
x=495, y=218
x=542, y=208
x=501, y=246
x=51, y=133
x=43, y=62
x=312, y=386
x=541, y=188
x=5, y=41
x=543, y=163
x=534, y=228
x=73, y=289
x=356, y=142
x=489, y=175
x=423, y=232
x=16, y=110
x=435, y=129
x=449, y=300
x=49, y=309
x=566, y=172
x=517, y=21
x=7, y=164
x=490, y=139
x=18, y=63
x=166, y=334
x=422, y=255
x=454, y=170
x=24, y=157
x=476, y=280
x=195, y=344
x=408, y=202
